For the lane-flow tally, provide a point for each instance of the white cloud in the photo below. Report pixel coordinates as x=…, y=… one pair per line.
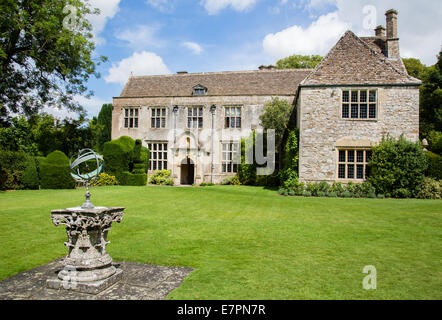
x=215, y=6
x=108, y=9
x=140, y=37
x=419, y=24
x=192, y=46
x=92, y=105
x=162, y=5
x=318, y=38
x=143, y=63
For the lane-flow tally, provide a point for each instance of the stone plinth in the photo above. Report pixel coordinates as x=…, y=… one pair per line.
x=88, y=267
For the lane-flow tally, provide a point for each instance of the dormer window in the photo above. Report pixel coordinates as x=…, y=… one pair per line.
x=199, y=90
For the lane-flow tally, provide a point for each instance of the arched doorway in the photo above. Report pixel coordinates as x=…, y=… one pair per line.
x=187, y=171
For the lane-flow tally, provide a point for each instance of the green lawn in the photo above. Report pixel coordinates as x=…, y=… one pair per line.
x=246, y=242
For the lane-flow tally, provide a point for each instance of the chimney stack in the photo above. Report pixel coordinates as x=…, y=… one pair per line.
x=380, y=31
x=392, y=34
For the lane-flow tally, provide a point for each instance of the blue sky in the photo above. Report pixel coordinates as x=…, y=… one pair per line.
x=165, y=36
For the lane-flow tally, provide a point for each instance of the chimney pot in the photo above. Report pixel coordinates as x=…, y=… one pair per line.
x=380, y=31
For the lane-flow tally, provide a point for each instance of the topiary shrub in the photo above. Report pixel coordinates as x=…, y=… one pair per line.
x=127, y=160
x=430, y=189
x=161, y=177
x=332, y=194
x=397, y=164
x=30, y=178
x=118, y=156
x=321, y=194
x=324, y=187
x=55, y=172
x=434, y=165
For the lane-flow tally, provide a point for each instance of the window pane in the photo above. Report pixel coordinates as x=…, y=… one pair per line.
x=163, y=111
x=341, y=171
x=163, y=122
x=136, y=112
x=165, y=155
x=154, y=165
x=200, y=123
x=157, y=122
x=351, y=171
x=189, y=122
x=351, y=156
x=152, y=123
x=238, y=112
x=155, y=146
x=160, y=165
x=367, y=155
x=131, y=112
x=136, y=122
x=165, y=165
x=153, y=112
x=345, y=111
x=232, y=122
x=372, y=96
x=126, y=122
x=363, y=111
x=360, y=156
x=354, y=96
x=195, y=112
x=224, y=146
x=200, y=112
x=342, y=156
x=238, y=122
x=227, y=122
x=372, y=111
x=126, y=112
x=235, y=167
x=131, y=122
x=354, y=111
x=360, y=171
x=345, y=96
x=224, y=167
x=363, y=96
x=160, y=147
x=189, y=111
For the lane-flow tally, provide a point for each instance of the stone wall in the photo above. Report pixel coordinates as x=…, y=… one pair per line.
x=200, y=139
x=323, y=131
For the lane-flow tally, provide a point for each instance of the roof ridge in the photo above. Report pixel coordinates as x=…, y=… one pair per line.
x=222, y=72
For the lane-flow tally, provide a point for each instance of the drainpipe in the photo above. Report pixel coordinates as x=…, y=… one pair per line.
x=175, y=111
x=212, y=167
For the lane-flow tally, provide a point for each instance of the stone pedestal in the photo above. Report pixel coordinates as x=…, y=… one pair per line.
x=88, y=267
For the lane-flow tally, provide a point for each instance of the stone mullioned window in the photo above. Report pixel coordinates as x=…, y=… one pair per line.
x=158, y=117
x=232, y=117
x=352, y=163
x=158, y=156
x=359, y=104
x=131, y=117
x=229, y=153
x=194, y=117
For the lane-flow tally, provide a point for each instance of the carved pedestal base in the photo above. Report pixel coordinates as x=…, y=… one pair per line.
x=88, y=267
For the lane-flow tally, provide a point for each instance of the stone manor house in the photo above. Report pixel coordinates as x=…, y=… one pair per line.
x=358, y=93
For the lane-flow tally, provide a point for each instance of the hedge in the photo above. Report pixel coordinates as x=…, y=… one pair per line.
x=30, y=178
x=434, y=165
x=55, y=172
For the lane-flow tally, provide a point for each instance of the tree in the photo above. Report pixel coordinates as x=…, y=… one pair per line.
x=276, y=116
x=299, y=62
x=414, y=67
x=105, y=122
x=430, y=94
x=397, y=167
x=45, y=54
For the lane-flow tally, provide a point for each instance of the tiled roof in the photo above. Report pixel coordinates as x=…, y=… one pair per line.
x=379, y=44
x=353, y=61
x=260, y=82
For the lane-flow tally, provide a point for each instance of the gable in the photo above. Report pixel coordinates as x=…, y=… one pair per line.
x=353, y=62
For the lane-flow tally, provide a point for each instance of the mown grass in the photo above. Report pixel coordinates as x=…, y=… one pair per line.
x=246, y=242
